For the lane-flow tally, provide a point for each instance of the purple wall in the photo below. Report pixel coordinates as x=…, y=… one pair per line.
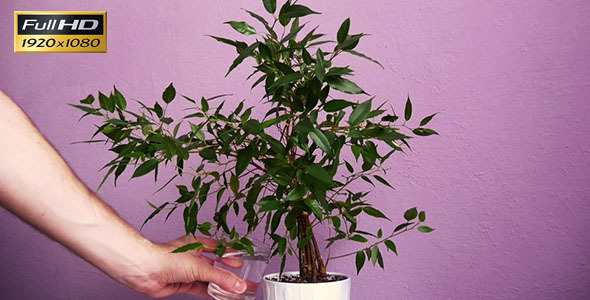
x=506, y=183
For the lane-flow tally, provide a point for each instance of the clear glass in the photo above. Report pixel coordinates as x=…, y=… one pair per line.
x=252, y=271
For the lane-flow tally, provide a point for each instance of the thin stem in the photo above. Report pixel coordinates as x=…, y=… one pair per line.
x=393, y=234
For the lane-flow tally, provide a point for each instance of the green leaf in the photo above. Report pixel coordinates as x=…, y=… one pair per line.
x=283, y=19
x=349, y=167
x=424, y=131
x=411, y=214
x=240, y=46
x=158, y=110
x=297, y=193
x=391, y=246
x=234, y=183
x=270, y=5
x=88, y=100
x=401, y=226
x=306, y=56
x=340, y=71
x=285, y=80
x=282, y=245
x=111, y=103
x=389, y=118
x=292, y=34
x=189, y=247
x=360, y=261
x=310, y=36
x=253, y=193
x=244, y=158
x=380, y=260
x=102, y=100
x=320, y=139
x=169, y=94
x=90, y=110
x=374, y=254
x=344, y=85
x=120, y=169
x=208, y=154
x=360, y=113
x=425, y=229
x=336, y=105
x=156, y=211
x=408, y=110
x=247, y=52
x=319, y=173
x=265, y=51
x=198, y=132
x=269, y=203
x=252, y=126
x=427, y=119
x=106, y=103
x=296, y=11
x=315, y=208
x=204, y=228
x=189, y=99
x=275, y=145
x=373, y=212
x=264, y=22
x=365, y=178
x=116, y=122
x=291, y=220
x=351, y=41
x=281, y=179
x=382, y=180
x=358, y=238
x=343, y=31
x=355, y=53
x=204, y=104
x=246, y=115
x=119, y=99
x=422, y=216
x=104, y=179
x=242, y=27
x=320, y=71
x=320, y=68
x=302, y=242
x=145, y=168
x=276, y=120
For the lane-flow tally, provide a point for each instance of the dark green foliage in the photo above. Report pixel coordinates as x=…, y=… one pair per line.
x=270, y=171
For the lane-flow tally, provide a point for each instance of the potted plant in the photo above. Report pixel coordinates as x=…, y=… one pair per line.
x=285, y=173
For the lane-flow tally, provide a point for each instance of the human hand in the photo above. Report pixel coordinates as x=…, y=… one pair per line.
x=189, y=272
x=37, y=185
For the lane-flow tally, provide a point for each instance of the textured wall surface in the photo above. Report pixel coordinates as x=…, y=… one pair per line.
x=506, y=183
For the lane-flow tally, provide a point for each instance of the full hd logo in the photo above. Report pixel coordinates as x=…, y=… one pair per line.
x=52, y=31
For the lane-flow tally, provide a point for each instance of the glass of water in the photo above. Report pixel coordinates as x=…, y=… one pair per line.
x=251, y=271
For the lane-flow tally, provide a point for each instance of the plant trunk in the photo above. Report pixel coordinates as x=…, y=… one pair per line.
x=311, y=264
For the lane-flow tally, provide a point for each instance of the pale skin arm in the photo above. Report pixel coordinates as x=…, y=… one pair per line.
x=39, y=187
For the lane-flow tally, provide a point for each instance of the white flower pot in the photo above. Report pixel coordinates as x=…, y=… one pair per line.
x=336, y=290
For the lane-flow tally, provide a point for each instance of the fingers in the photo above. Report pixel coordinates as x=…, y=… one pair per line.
x=194, y=288
x=173, y=288
x=199, y=289
x=210, y=244
x=234, y=262
x=224, y=279
x=182, y=240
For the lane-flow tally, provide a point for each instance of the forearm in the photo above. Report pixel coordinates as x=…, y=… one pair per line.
x=39, y=187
